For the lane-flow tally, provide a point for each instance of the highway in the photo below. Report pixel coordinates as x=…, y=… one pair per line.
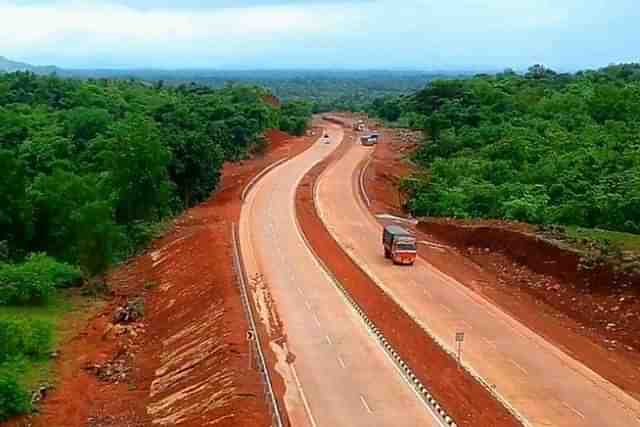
x=542, y=384
x=335, y=372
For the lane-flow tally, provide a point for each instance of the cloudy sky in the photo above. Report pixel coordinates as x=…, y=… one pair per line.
x=399, y=34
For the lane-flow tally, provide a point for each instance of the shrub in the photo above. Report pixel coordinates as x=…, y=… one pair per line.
x=14, y=399
x=25, y=337
x=34, y=280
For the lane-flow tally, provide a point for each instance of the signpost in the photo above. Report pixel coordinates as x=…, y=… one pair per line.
x=459, y=341
x=250, y=337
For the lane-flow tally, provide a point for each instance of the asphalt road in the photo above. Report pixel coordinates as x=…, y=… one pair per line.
x=335, y=372
x=543, y=385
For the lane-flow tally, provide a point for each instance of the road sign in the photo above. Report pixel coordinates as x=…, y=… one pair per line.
x=459, y=340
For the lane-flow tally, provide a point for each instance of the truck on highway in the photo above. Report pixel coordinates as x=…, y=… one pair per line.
x=399, y=245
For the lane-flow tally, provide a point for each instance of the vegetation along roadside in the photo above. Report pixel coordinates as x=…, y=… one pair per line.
x=90, y=171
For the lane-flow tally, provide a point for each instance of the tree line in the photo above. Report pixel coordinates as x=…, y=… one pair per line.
x=542, y=147
x=89, y=170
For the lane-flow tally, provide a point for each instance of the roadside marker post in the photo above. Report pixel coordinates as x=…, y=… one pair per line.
x=459, y=341
x=250, y=338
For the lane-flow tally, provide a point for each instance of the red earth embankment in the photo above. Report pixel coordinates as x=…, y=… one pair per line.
x=186, y=362
x=468, y=402
x=601, y=299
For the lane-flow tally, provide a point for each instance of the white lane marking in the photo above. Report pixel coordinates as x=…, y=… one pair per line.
x=427, y=293
x=315, y=317
x=365, y=404
x=308, y=304
x=491, y=343
x=303, y=397
x=580, y=414
x=446, y=308
x=341, y=361
x=466, y=324
x=328, y=339
x=300, y=291
x=514, y=363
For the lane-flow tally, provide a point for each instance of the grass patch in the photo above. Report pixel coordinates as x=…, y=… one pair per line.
x=65, y=312
x=620, y=240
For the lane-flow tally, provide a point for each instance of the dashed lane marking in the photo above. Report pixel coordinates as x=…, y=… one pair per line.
x=491, y=343
x=328, y=339
x=365, y=404
x=446, y=308
x=574, y=410
x=341, y=361
x=514, y=363
x=315, y=317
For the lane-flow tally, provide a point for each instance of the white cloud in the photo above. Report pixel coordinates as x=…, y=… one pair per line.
x=308, y=33
x=80, y=27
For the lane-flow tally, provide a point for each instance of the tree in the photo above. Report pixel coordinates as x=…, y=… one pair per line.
x=136, y=162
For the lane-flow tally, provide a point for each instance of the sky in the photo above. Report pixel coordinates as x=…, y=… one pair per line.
x=566, y=35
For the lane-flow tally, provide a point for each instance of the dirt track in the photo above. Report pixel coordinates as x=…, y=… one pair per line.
x=186, y=363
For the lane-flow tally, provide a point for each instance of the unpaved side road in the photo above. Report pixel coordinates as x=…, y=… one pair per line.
x=542, y=384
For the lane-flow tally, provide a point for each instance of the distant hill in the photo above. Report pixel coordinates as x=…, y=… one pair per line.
x=9, y=66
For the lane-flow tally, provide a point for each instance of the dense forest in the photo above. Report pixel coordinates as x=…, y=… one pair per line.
x=89, y=171
x=326, y=90
x=543, y=147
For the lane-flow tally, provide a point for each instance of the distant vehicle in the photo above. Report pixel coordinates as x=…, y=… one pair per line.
x=326, y=139
x=399, y=245
x=367, y=140
x=375, y=136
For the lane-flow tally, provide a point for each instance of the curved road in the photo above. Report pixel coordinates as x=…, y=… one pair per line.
x=543, y=385
x=335, y=372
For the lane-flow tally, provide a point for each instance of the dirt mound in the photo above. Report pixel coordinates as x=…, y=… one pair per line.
x=185, y=362
x=276, y=137
x=388, y=166
x=468, y=402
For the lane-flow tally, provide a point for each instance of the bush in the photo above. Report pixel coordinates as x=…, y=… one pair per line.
x=25, y=337
x=14, y=399
x=34, y=280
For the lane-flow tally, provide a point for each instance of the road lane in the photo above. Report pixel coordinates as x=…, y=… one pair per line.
x=340, y=375
x=543, y=384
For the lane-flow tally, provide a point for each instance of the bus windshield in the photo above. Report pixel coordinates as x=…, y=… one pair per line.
x=406, y=247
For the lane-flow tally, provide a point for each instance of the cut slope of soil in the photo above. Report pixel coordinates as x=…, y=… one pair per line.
x=593, y=315
x=468, y=402
x=186, y=363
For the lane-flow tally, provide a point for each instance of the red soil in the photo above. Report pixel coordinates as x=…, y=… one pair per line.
x=468, y=402
x=546, y=292
x=186, y=363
